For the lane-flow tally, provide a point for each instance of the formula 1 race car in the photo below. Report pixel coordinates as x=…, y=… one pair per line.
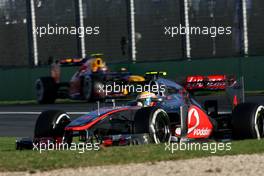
x=172, y=115
x=84, y=84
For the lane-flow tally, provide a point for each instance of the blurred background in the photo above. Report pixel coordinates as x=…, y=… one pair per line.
x=23, y=56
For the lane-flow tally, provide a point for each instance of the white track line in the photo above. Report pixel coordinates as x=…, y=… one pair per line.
x=37, y=113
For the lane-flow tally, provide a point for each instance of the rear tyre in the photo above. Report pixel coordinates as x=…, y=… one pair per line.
x=51, y=124
x=46, y=90
x=248, y=121
x=155, y=122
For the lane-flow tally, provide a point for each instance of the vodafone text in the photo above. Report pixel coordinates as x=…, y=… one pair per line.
x=202, y=132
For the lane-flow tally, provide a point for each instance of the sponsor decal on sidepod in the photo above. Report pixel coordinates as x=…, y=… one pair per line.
x=199, y=125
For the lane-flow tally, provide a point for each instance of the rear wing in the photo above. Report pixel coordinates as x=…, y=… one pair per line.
x=234, y=88
x=211, y=82
x=72, y=61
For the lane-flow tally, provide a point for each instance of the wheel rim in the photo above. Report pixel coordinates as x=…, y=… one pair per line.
x=62, y=121
x=63, y=118
x=259, y=122
x=159, y=127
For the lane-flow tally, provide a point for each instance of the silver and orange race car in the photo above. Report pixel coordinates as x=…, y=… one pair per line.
x=172, y=115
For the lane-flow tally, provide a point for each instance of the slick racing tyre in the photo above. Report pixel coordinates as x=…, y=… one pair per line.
x=46, y=90
x=87, y=88
x=51, y=124
x=155, y=122
x=248, y=121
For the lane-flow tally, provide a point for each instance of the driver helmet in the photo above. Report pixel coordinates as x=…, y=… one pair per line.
x=145, y=99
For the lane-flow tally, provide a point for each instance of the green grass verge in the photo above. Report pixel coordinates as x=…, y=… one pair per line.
x=17, y=102
x=28, y=160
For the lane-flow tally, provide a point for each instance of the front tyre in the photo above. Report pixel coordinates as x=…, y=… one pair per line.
x=155, y=122
x=51, y=124
x=248, y=121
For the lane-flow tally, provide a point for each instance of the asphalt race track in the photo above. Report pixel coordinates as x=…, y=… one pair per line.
x=19, y=120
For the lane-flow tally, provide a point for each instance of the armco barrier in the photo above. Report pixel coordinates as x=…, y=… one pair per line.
x=18, y=84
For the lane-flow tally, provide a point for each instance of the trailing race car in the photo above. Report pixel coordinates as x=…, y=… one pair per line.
x=85, y=83
x=152, y=118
